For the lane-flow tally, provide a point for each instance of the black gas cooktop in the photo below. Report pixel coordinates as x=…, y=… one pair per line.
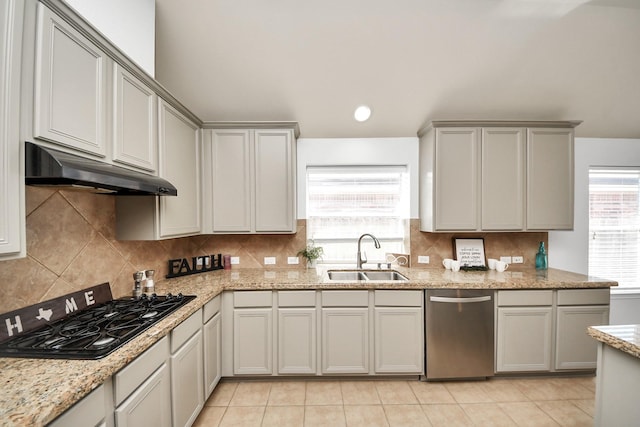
x=95, y=332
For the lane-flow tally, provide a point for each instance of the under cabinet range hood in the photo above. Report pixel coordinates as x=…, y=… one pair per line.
x=48, y=167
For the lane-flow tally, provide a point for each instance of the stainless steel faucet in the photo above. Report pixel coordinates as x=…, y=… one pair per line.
x=359, y=259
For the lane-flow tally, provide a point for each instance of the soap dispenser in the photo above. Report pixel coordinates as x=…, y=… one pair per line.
x=541, y=258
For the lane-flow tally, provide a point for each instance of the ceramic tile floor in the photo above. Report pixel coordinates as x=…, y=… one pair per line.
x=497, y=402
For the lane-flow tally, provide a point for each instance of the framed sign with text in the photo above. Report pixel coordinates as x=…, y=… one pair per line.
x=470, y=252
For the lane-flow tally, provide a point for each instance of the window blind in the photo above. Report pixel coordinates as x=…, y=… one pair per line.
x=614, y=225
x=343, y=202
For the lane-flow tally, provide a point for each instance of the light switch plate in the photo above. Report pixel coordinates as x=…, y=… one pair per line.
x=269, y=260
x=423, y=259
x=293, y=260
x=506, y=259
x=235, y=260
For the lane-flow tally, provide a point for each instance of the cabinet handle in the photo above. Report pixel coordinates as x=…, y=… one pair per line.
x=460, y=300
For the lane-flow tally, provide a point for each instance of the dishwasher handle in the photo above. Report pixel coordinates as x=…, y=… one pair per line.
x=460, y=300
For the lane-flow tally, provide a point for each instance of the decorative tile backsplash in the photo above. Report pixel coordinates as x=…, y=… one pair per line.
x=71, y=245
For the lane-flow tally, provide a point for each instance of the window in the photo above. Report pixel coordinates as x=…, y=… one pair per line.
x=344, y=202
x=614, y=225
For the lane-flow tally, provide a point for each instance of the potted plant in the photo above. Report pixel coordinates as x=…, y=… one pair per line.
x=311, y=253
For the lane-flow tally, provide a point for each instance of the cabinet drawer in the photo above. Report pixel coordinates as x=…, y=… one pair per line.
x=345, y=298
x=583, y=296
x=252, y=299
x=136, y=372
x=88, y=411
x=525, y=298
x=185, y=330
x=210, y=309
x=296, y=298
x=398, y=298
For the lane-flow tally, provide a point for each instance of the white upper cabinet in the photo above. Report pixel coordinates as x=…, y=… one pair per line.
x=11, y=179
x=251, y=181
x=70, y=86
x=135, y=121
x=496, y=176
x=231, y=164
x=456, y=172
x=550, y=179
x=275, y=181
x=503, y=178
x=180, y=165
x=164, y=217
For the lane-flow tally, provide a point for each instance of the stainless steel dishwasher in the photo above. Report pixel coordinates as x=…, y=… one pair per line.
x=460, y=333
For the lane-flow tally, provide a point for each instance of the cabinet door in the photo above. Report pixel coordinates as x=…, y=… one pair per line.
x=345, y=340
x=503, y=174
x=252, y=341
x=180, y=165
x=150, y=404
x=524, y=339
x=457, y=179
x=274, y=181
x=70, y=86
x=574, y=348
x=550, y=179
x=297, y=341
x=11, y=180
x=212, y=357
x=187, y=389
x=134, y=121
x=399, y=345
x=231, y=174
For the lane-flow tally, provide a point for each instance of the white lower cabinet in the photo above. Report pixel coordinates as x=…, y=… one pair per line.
x=329, y=332
x=524, y=339
x=398, y=332
x=345, y=340
x=142, y=389
x=90, y=411
x=252, y=333
x=577, y=310
x=150, y=404
x=524, y=332
x=345, y=332
x=212, y=336
x=297, y=341
x=546, y=330
x=187, y=378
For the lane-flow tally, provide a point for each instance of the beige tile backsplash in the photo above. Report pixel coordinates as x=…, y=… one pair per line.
x=71, y=245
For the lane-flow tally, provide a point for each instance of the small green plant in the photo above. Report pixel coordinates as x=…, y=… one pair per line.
x=312, y=252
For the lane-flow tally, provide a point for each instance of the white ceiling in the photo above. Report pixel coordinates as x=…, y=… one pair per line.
x=314, y=61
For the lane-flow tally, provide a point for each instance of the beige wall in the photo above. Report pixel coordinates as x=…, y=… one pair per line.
x=71, y=245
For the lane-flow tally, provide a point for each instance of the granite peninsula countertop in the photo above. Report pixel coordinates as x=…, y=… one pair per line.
x=625, y=338
x=34, y=392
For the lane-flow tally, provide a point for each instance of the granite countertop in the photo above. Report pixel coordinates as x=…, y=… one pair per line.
x=622, y=337
x=34, y=392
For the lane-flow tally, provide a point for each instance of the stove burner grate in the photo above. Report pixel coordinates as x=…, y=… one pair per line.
x=95, y=332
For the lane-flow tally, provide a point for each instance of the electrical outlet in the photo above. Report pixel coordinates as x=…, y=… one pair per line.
x=517, y=259
x=423, y=259
x=293, y=260
x=269, y=260
x=235, y=260
x=506, y=259
x=199, y=261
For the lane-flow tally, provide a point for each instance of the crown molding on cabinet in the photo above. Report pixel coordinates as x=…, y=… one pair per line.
x=498, y=123
x=254, y=125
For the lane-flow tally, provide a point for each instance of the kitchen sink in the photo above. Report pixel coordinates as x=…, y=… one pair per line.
x=367, y=275
x=385, y=275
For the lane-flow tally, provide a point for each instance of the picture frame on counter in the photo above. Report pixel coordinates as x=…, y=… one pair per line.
x=470, y=252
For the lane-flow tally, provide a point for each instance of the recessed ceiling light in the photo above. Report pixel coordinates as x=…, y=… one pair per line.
x=362, y=113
